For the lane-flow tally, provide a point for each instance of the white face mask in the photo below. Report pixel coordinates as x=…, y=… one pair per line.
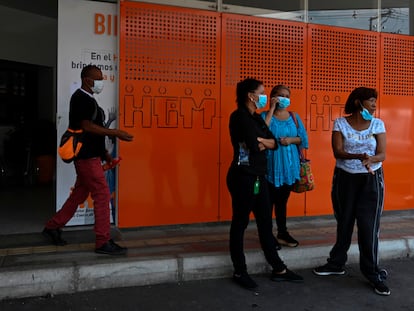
x=97, y=86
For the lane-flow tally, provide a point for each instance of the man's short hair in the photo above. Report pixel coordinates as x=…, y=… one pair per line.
x=86, y=71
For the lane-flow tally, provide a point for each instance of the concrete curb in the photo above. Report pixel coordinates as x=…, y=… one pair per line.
x=39, y=281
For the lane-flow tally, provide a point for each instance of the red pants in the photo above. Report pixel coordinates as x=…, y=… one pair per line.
x=90, y=179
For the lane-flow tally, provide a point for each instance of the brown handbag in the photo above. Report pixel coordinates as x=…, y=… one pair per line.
x=306, y=181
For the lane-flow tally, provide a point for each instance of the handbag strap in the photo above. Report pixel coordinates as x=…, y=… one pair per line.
x=300, y=151
x=292, y=114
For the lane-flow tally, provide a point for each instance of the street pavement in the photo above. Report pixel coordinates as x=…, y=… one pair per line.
x=350, y=292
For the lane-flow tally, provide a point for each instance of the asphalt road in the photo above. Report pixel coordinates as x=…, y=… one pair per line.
x=334, y=293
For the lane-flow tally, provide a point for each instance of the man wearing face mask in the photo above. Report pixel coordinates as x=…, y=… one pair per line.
x=250, y=138
x=85, y=114
x=283, y=164
x=358, y=145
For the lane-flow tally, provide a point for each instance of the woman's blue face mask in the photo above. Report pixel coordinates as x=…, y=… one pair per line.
x=284, y=102
x=365, y=114
x=262, y=101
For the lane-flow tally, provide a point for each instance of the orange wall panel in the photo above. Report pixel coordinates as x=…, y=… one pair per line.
x=399, y=122
x=335, y=66
x=269, y=50
x=397, y=111
x=169, y=101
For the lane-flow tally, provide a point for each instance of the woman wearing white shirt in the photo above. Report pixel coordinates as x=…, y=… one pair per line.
x=358, y=144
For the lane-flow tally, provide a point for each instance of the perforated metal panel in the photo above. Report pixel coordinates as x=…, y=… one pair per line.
x=398, y=65
x=170, y=46
x=342, y=59
x=169, y=88
x=268, y=49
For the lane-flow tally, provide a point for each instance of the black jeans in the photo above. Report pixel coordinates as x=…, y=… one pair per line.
x=360, y=198
x=279, y=197
x=244, y=201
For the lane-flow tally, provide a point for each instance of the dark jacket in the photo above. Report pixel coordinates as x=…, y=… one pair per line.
x=245, y=128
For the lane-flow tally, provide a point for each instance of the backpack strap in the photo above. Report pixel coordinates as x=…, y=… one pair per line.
x=95, y=112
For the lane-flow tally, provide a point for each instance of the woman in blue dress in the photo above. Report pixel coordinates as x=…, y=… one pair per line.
x=283, y=164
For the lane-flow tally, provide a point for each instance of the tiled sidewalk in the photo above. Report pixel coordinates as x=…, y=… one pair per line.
x=196, y=238
x=169, y=254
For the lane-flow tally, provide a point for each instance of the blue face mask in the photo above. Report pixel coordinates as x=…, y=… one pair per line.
x=365, y=114
x=261, y=103
x=284, y=102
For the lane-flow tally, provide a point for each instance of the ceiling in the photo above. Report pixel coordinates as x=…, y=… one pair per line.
x=41, y=7
x=49, y=8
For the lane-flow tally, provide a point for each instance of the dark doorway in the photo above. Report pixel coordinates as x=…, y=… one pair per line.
x=27, y=147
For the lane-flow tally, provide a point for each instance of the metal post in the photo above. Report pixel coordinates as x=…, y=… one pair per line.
x=306, y=11
x=219, y=5
x=411, y=17
x=379, y=20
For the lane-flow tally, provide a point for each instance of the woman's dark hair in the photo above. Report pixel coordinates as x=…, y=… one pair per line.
x=244, y=87
x=278, y=87
x=361, y=94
